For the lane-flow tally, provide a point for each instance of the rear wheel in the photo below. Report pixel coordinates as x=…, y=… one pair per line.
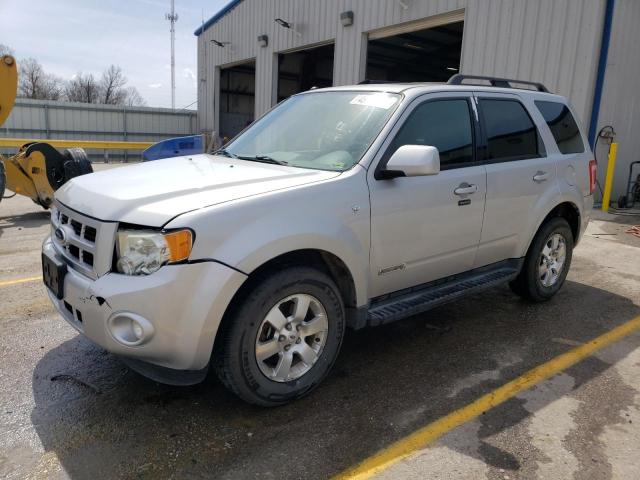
x=547, y=262
x=283, y=338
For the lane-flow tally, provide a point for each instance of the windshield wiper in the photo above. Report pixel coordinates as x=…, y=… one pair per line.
x=225, y=153
x=264, y=159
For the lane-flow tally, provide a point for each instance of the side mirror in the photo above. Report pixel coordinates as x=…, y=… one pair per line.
x=412, y=161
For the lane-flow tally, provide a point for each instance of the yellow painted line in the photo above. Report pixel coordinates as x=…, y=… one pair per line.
x=404, y=447
x=20, y=280
x=88, y=144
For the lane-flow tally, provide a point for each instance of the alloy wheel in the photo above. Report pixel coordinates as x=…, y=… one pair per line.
x=291, y=337
x=552, y=260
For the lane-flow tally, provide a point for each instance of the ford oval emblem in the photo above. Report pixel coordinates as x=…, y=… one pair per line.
x=61, y=235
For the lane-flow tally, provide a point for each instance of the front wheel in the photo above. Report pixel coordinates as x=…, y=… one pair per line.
x=547, y=262
x=283, y=338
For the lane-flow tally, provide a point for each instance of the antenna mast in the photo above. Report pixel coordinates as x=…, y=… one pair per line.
x=173, y=18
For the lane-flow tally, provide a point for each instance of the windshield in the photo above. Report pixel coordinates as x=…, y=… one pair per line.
x=324, y=130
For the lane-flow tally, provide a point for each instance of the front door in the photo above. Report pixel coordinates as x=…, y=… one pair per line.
x=426, y=228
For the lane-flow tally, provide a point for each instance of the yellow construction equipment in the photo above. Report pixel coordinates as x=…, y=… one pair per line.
x=38, y=169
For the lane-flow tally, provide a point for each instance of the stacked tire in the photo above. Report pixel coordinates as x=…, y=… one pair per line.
x=3, y=181
x=76, y=163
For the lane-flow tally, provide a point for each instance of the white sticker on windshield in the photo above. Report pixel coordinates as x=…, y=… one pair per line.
x=378, y=100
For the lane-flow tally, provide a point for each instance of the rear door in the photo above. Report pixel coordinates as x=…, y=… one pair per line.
x=521, y=178
x=426, y=228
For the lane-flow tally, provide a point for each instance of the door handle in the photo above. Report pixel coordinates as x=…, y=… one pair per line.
x=466, y=189
x=540, y=177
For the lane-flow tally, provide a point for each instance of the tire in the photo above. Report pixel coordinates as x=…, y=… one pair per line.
x=247, y=329
x=530, y=282
x=3, y=180
x=622, y=201
x=76, y=163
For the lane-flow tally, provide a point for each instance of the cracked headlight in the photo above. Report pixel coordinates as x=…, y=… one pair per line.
x=142, y=252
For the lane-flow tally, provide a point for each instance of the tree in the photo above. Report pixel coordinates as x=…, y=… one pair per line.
x=4, y=50
x=82, y=88
x=111, y=89
x=34, y=82
x=112, y=82
x=133, y=98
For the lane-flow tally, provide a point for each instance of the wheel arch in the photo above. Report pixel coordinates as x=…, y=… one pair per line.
x=565, y=209
x=322, y=260
x=570, y=212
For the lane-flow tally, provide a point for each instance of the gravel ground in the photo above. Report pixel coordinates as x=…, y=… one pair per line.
x=68, y=409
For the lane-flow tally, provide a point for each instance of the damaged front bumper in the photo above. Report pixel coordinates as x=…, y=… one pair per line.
x=168, y=319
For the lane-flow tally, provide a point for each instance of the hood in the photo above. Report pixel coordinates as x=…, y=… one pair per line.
x=152, y=193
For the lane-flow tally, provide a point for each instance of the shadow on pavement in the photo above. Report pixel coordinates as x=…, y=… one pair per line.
x=25, y=220
x=100, y=418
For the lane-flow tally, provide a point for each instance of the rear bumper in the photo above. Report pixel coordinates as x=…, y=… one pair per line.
x=179, y=307
x=585, y=218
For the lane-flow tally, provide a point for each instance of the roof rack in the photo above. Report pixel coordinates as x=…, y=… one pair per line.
x=370, y=81
x=459, y=78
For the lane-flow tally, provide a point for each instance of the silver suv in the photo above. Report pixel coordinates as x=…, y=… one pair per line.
x=341, y=207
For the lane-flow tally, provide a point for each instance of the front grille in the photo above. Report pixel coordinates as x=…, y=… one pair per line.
x=74, y=251
x=77, y=227
x=87, y=257
x=85, y=243
x=90, y=234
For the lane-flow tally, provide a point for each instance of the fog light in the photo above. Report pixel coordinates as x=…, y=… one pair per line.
x=137, y=329
x=130, y=329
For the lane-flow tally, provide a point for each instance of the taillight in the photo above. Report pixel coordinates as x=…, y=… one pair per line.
x=593, y=171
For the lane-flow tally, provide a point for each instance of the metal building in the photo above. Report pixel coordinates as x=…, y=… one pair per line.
x=253, y=53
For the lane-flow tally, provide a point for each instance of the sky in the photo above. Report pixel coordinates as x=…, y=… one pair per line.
x=71, y=36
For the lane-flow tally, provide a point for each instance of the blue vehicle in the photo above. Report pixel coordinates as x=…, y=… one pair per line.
x=174, y=147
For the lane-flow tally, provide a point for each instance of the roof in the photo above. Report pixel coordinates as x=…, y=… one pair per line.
x=226, y=9
x=425, y=87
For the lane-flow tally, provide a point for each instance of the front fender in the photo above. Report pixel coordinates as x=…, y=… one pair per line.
x=330, y=216
x=350, y=251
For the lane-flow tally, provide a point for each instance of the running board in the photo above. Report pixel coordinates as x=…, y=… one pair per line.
x=390, y=308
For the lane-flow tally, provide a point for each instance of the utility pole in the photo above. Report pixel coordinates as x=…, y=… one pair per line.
x=173, y=18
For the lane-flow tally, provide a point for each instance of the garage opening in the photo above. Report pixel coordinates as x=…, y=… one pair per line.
x=299, y=71
x=237, y=98
x=428, y=55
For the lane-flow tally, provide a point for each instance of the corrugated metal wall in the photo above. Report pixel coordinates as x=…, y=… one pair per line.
x=620, y=105
x=556, y=42
x=553, y=41
x=39, y=119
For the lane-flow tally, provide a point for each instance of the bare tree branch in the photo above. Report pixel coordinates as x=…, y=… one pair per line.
x=133, y=98
x=82, y=88
x=34, y=82
x=5, y=50
x=111, y=89
x=111, y=86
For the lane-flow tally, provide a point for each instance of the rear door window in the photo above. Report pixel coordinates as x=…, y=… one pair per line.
x=562, y=125
x=511, y=134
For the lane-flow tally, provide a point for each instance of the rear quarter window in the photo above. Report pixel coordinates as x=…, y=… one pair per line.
x=563, y=126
